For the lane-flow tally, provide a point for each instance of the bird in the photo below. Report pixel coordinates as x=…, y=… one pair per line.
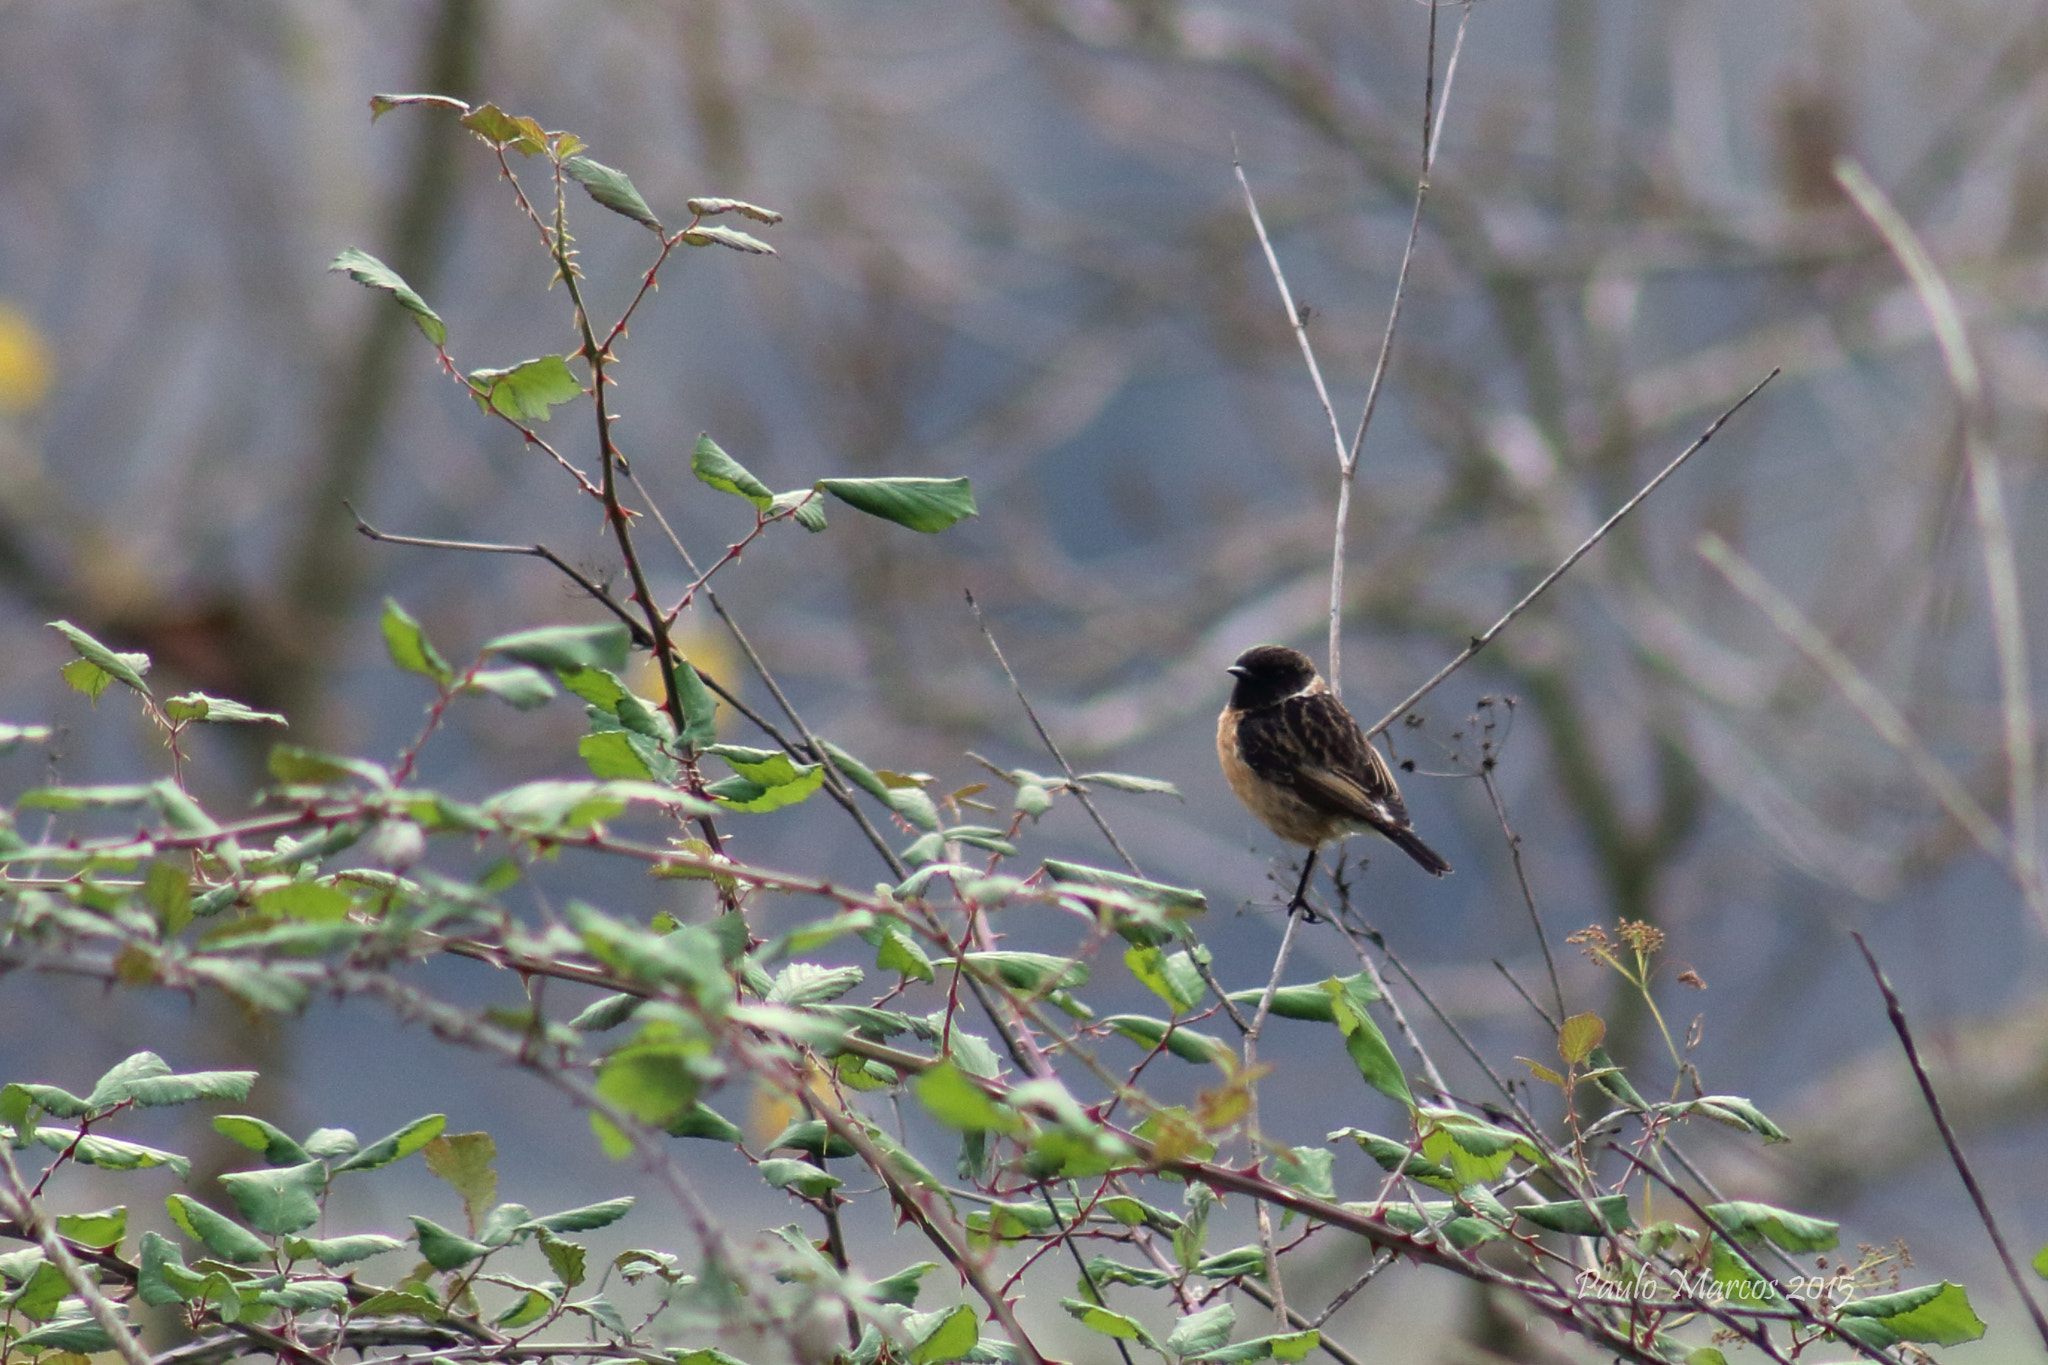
x=1299, y=762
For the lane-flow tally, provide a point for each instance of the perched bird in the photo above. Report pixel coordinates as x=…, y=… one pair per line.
x=1299, y=762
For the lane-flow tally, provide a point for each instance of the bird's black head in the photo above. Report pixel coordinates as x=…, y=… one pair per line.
x=1267, y=674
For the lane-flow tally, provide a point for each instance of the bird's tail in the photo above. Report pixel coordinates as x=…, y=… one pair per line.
x=1426, y=857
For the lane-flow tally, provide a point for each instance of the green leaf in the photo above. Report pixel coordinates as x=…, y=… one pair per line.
x=103, y=1229
x=396, y=1146
x=167, y=888
x=612, y=189
x=162, y=1278
x=339, y=1251
x=949, y=1338
x=1125, y=782
x=1366, y=1045
x=700, y=710
x=281, y=1199
x=467, y=1162
x=1578, y=1036
x=223, y=1238
x=80, y=1335
x=216, y=710
x=312, y=902
x=711, y=206
x=1571, y=1216
x=921, y=504
x=1199, y=1333
x=304, y=767
x=811, y=1135
x=1183, y=1043
x=1476, y=1151
x=20, y=1097
x=803, y=506
x=1307, y=1169
x=380, y=105
x=768, y=779
x=787, y=1173
x=445, y=1250
x=713, y=466
x=808, y=983
x=1312, y=1004
x=952, y=1097
x=521, y=688
x=566, y=649
x=1179, y=900
x=103, y=665
x=1939, y=1314
x=585, y=1219
x=527, y=390
x=1398, y=1156
x=1028, y=971
x=1736, y=1112
x=144, y=1079
x=1783, y=1229
x=1096, y=1318
x=1173, y=979
x=1286, y=1346
x=565, y=1258
x=623, y=754
x=898, y=952
x=701, y=1121
x=41, y=1294
x=716, y=235
x=501, y=129
x=366, y=269
x=909, y=802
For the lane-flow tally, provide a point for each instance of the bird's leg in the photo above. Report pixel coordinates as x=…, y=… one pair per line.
x=1299, y=905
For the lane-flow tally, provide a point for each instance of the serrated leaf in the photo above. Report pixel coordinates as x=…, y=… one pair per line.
x=396, y=1146
x=304, y=767
x=952, y=1097
x=1571, y=1216
x=949, y=1338
x=106, y=664
x=105, y=1228
x=801, y=505
x=711, y=465
x=1174, y=979
x=1096, y=1318
x=1578, y=1036
x=709, y=207
x=525, y=392
x=467, y=1162
x=567, y=649
x=1180, y=900
x=1366, y=1045
x=702, y=1121
x=1788, y=1231
x=700, y=710
x=443, y=1249
x=927, y=505
x=714, y=234
x=1199, y=1333
x=217, y=710
x=1125, y=782
x=612, y=189
x=1939, y=1314
x=501, y=129
x=332, y=1252
x=366, y=269
x=281, y=1199
x=223, y=1238
x=521, y=688
x=381, y=105
x=787, y=1173
x=405, y=639
x=1183, y=1043
x=898, y=952
x=587, y=1218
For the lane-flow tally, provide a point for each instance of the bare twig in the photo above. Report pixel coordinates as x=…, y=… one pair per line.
x=1897, y=1015
x=1522, y=880
x=1493, y=631
x=1858, y=691
x=1994, y=529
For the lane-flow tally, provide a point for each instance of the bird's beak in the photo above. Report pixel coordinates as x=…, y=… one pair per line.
x=1234, y=671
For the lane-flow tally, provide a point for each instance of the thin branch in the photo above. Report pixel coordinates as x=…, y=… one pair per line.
x=641, y=639
x=1492, y=632
x=1897, y=1015
x=1858, y=691
x=25, y=1209
x=1073, y=779
x=1522, y=880
x=1994, y=529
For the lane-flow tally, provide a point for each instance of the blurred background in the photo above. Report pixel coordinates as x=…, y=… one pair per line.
x=1015, y=250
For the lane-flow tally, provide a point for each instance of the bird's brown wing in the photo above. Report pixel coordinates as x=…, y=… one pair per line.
x=1311, y=746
